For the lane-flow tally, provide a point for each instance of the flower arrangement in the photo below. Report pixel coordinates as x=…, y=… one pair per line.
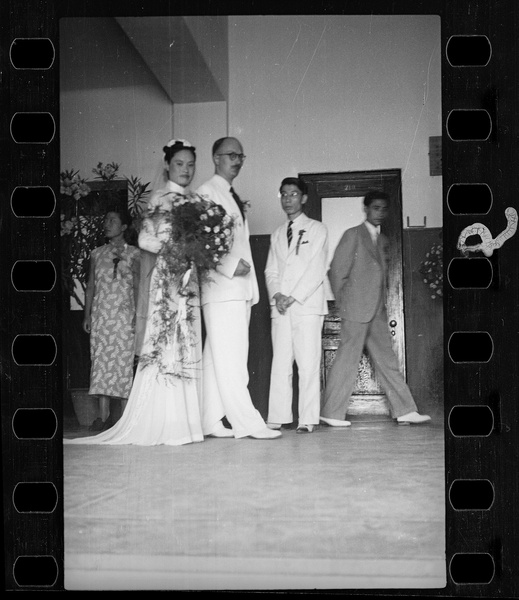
x=82, y=213
x=200, y=234
x=106, y=172
x=73, y=185
x=432, y=270
x=243, y=205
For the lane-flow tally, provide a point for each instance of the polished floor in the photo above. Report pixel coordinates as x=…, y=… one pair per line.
x=355, y=508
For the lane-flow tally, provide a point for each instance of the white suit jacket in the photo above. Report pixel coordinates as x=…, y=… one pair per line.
x=299, y=271
x=224, y=286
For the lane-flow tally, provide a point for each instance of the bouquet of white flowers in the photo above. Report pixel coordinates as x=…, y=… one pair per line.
x=201, y=234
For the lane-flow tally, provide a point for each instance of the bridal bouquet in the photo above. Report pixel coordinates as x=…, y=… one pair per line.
x=200, y=234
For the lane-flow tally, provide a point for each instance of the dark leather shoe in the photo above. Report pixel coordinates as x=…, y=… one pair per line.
x=108, y=423
x=97, y=425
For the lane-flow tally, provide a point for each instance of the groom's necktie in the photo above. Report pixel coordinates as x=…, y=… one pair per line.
x=238, y=201
x=289, y=233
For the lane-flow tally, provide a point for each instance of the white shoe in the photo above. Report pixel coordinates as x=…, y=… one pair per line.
x=414, y=418
x=221, y=432
x=265, y=434
x=305, y=428
x=335, y=422
x=274, y=425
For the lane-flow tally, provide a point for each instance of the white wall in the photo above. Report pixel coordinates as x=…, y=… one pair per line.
x=335, y=93
x=112, y=109
x=306, y=94
x=201, y=123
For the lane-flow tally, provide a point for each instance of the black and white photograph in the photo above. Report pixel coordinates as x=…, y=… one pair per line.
x=252, y=271
x=260, y=297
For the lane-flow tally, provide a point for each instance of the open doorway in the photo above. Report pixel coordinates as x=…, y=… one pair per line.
x=336, y=199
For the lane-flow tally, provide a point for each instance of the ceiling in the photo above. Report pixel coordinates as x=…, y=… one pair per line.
x=187, y=55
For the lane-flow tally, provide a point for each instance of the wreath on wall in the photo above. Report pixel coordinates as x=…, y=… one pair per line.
x=431, y=269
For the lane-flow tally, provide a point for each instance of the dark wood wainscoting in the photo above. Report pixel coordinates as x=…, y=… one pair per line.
x=424, y=325
x=260, y=343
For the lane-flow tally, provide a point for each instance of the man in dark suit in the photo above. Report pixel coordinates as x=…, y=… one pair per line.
x=357, y=275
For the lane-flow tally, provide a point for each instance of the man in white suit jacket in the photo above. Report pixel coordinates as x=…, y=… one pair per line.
x=226, y=304
x=295, y=274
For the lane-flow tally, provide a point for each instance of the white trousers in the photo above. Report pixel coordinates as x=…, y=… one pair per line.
x=225, y=375
x=295, y=337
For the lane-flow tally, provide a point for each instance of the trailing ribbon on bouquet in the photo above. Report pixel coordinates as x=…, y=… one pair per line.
x=181, y=327
x=172, y=339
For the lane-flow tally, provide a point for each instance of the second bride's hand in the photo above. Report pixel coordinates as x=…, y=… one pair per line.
x=242, y=269
x=280, y=303
x=289, y=301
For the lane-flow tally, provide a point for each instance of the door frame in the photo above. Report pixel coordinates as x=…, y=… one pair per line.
x=357, y=184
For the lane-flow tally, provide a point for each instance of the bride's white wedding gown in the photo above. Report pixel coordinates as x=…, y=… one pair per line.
x=161, y=409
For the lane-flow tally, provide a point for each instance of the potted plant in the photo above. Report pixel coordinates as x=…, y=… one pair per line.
x=83, y=206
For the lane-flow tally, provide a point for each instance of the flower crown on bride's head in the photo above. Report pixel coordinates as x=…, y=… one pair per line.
x=179, y=143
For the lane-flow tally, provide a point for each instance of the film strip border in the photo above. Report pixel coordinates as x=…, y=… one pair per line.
x=480, y=178
x=481, y=356
x=31, y=313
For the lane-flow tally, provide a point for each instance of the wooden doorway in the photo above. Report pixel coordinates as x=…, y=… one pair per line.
x=336, y=200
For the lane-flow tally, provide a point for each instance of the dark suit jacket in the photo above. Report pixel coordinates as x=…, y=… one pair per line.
x=358, y=274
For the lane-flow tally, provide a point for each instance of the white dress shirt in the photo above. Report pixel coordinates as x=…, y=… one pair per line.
x=374, y=232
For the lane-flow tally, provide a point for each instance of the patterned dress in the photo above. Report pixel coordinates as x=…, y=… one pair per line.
x=112, y=339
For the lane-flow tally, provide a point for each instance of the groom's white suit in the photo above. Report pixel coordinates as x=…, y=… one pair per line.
x=226, y=303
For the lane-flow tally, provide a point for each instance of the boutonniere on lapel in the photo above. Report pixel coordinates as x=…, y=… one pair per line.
x=243, y=205
x=299, y=242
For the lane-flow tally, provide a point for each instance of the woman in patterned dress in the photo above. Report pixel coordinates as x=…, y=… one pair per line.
x=110, y=302
x=163, y=408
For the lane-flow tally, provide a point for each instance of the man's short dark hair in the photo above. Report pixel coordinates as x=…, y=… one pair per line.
x=299, y=183
x=373, y=195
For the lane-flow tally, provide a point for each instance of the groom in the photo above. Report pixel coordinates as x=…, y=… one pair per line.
x=226, y=303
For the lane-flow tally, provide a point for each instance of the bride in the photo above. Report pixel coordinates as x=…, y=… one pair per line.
x=164, y=402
